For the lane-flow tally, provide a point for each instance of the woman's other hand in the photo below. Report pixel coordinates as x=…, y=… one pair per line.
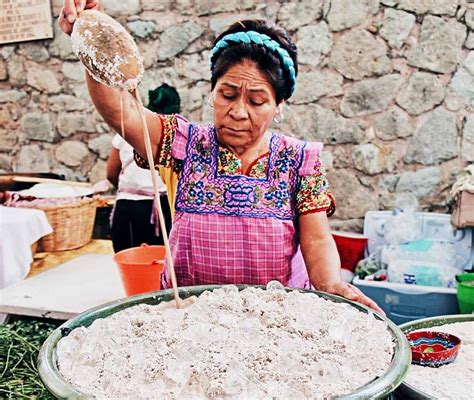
x=351, y=292
x=70, y=10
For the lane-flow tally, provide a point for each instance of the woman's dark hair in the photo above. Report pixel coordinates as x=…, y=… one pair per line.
x=266, y=60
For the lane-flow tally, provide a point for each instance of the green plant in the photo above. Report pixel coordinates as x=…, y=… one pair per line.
x=20, y=343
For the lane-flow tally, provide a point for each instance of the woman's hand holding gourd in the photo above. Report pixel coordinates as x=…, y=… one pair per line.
x=70, y=10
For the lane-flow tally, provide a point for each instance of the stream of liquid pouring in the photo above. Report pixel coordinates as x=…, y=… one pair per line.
x=154, y=179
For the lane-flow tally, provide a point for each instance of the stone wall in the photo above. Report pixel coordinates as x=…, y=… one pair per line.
x=386, y=85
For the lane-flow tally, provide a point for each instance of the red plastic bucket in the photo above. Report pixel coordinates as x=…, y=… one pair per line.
x=140, y=268
x=351, y=247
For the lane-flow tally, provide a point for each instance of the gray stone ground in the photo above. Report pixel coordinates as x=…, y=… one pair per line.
x=388, y=86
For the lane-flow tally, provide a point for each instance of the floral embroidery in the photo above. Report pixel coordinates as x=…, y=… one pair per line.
x=201, y=159
x=229, y=164
x=259, y=167
x=243, y=195
x=200, y=194
x=169, y=125
x=286, y=159
x=237, y=195
x=140, y=161
x=278, y=196
x=314, y=194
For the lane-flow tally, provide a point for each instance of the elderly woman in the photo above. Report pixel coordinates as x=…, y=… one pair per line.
x=246, y=199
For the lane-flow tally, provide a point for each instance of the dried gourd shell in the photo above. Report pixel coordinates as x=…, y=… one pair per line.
x=107, y=50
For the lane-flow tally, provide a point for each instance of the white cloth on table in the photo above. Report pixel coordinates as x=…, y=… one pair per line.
x=19, y=229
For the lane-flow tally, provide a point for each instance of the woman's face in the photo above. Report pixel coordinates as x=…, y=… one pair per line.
x=244, y=106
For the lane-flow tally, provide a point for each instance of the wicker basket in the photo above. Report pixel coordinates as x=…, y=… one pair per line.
x=72, y=225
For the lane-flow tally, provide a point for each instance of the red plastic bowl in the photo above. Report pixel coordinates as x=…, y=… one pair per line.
x=433, y=349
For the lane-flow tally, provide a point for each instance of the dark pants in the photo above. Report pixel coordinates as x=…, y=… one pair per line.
x=131, y=225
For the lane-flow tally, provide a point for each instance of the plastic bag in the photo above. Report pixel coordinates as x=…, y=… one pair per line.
x=404, y=225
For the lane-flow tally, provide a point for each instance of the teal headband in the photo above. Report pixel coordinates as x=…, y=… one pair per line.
x=260, y=39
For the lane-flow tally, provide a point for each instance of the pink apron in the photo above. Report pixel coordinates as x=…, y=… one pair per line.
x=236, y=229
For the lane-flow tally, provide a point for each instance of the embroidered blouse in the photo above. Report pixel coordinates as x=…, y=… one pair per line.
x=313, y=193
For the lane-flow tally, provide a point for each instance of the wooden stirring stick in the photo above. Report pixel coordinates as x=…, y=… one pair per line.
x=154, y=178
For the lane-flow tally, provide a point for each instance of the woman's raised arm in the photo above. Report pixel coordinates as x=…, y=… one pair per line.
x=107, y=102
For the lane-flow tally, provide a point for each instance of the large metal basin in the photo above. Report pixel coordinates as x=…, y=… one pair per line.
x=381, y=387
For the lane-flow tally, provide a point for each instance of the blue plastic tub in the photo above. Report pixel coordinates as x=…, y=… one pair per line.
x=405, y=303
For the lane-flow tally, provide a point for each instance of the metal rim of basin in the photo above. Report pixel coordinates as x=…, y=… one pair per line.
x=60, y=388
x=406, y=390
